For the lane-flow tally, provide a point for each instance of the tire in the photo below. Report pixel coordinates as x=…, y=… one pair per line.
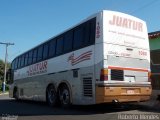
x=64, y=96
x=51, y=95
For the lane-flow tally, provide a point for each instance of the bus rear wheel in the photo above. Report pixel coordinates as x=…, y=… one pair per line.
x=51, y=95
x=64, y=96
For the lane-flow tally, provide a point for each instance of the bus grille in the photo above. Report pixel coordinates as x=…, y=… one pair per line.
x=117, y=75
x=87, y=86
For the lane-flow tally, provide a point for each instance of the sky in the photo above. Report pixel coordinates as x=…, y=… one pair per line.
x=27, y=23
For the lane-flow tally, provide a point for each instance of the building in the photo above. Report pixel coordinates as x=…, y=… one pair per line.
x=154, y=40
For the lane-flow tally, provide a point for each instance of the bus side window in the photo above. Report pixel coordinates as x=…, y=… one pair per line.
x=26, y=59
x=39, y=55
x=16, y=63
x=92, y=30
x=19, y=61
x=78, y=37
x=22, y=60
x=12, y=65
x=35, y=55
x=30, y=57
x=45, y=51
x=68, y=41
x=59, y=46
x=86, y=34
x=52, y=48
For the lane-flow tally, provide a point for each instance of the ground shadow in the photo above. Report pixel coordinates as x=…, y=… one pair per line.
x=32, y=108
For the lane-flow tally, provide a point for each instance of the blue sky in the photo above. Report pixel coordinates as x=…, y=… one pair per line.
x=27, y=23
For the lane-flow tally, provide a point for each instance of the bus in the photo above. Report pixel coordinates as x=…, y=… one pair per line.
x=105, y=58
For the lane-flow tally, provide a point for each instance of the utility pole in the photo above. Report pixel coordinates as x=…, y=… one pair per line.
x=5, y=68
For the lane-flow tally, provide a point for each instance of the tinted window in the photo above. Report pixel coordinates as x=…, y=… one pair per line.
x=45, y=51
x=68, y=40
x=86, y=29
x=59, y=46
x=16, y=63
x=22, y=60
x=34, y=55
x=52, y=48
x=26, y=59
x=12, y=66
x=39, y=56
x=78, y=37
x=30, y=57
x=92, y=30
x=19, y=62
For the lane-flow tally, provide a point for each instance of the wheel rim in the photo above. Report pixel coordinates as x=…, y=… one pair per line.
x=51, y=95
x=65, y=98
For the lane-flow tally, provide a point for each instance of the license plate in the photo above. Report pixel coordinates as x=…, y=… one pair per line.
x=130, y=91
x=129, y=78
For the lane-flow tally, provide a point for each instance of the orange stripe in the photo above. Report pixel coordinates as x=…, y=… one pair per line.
x=133, y=69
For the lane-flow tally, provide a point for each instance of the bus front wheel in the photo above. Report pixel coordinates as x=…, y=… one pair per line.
x=16, y=93
x=64, y=96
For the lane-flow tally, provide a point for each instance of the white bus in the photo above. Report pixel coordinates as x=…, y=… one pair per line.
x=105, y=58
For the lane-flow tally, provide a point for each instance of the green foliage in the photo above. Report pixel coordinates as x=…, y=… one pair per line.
x=2, y=65
x=1, y=69
x=0, y=85
x=6, y=87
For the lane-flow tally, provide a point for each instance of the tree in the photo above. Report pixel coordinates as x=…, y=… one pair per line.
x=1, y=70
x=2, y=65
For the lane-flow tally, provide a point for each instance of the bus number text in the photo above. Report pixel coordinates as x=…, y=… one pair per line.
x=142, y=53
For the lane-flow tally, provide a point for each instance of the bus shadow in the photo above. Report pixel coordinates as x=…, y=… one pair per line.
x=32, y=108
